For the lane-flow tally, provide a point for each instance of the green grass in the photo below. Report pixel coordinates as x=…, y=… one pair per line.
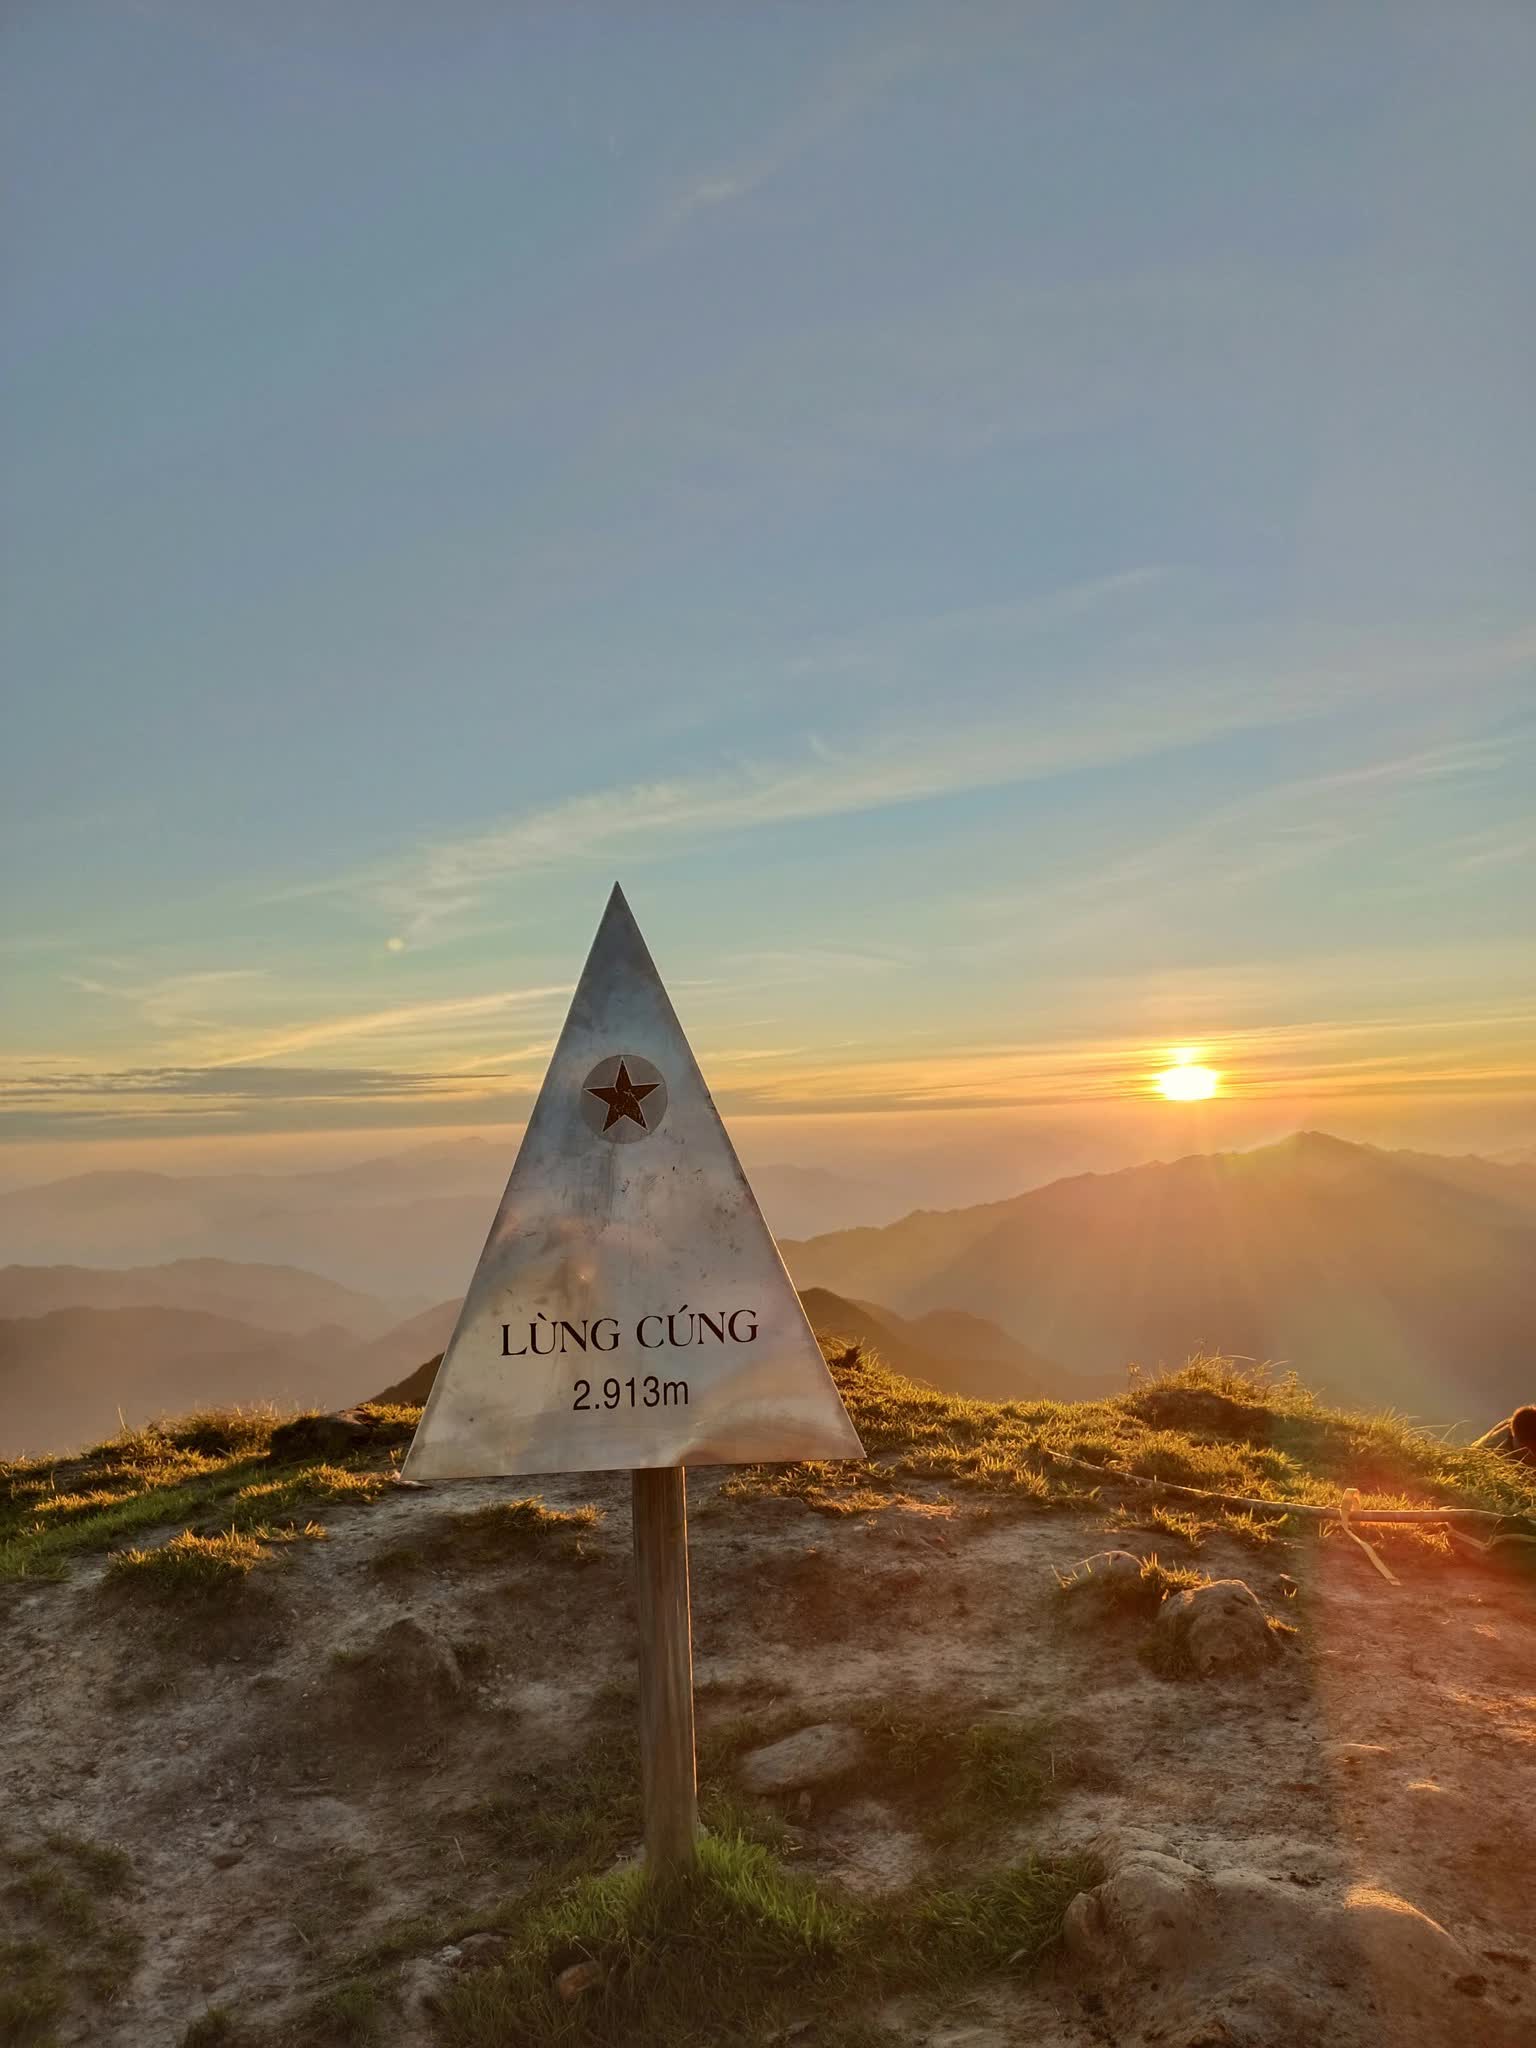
x=1216, y=1425
x=204, y=1472
x=1005, y=1920
x=959, y=1781
x=742, y=1946
x=33, y=1991
x=356, y=2010
x=104, y=1867
x=582, y=1814
x=63, y=1941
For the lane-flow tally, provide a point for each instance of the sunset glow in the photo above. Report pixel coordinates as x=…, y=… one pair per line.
x=1188, y=1083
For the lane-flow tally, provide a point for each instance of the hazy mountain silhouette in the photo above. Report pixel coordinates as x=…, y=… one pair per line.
x=68, y=1377
x=1386, y=1278
x=1389, y=1278
x=270, y=1297
x=947, y=1349
x=408, y=1227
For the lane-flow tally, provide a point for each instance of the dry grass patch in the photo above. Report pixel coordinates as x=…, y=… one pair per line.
x=1123, y=1592
x=204, y=1471
x=198, y=1569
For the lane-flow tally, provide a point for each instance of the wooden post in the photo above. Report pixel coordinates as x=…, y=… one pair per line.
x=666, y=1670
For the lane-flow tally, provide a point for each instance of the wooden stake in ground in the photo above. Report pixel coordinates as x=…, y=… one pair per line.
x=666, y=1670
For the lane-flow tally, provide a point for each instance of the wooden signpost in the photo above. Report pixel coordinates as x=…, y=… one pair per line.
x=630, y=1311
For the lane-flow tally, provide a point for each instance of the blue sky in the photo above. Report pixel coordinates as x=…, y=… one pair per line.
x=1009, y=528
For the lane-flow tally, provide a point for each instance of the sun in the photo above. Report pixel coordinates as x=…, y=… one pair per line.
x=1186, y=1080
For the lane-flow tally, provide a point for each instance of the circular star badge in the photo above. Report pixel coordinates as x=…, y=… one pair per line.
x=624, y=1098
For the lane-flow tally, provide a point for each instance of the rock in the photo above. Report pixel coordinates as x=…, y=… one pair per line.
x=424, y=1982
x=579, y=1979
x=1149, y=1913
x=1219, y=1627
x=1174, y=1953
x=482, y=1951
x=226, y=1859
x=811, y=1756
x=1105, y=1568
x=319, y=1436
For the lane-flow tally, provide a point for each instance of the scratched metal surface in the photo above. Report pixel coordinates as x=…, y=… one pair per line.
x=627, y=1202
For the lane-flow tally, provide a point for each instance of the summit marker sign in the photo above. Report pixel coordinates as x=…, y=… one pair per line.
x=630, y=1308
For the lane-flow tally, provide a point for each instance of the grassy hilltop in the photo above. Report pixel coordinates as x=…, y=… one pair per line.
x=300, y=1756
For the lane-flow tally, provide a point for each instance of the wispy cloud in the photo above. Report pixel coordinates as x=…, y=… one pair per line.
x=176, y=1001
x=225, y=1084
x=432, y=887
x=835, y=99
x=403, y=1020
x=1287, y=826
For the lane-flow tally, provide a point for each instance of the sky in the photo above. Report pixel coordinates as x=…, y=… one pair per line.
x=1008, y=528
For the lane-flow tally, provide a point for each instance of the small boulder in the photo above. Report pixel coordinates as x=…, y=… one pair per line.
x=1216, y=1627
x=423, y=1985
x=1148, y=1914
x=580, y=1978
x=1104, y=1568
x=482, y=1951
x=811, y=1756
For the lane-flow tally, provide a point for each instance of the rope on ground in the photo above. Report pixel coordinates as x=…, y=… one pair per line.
x=1349, y=1500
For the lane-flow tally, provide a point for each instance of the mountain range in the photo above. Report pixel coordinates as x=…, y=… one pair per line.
x=151, y=1343
x=1393, y=1279
x=407, y=1227
x=1397, y=1279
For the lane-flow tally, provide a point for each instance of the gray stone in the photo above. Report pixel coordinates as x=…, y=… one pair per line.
x=482, y=1951
x=1148, y=1913
x=1105, y=1568
x=811, y=1756
x=1219, y=1627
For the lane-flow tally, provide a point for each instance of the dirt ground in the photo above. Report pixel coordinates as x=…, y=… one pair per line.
x=1338, y=1848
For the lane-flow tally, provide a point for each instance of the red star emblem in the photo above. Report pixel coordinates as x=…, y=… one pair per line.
x=624, y=1099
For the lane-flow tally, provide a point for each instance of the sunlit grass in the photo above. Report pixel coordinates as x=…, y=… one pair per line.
x=1216, y=1425
x=743, y=1949
x=209, y=1469
x=198, y=1568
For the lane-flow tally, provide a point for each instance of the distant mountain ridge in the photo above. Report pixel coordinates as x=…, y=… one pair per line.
x=271, y=1297
x=68, y=1377
x=1395, y=1278
x=409, y=1223
x=1403, y=1279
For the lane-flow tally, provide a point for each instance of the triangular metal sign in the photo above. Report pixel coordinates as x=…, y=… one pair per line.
x=630, y=1308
